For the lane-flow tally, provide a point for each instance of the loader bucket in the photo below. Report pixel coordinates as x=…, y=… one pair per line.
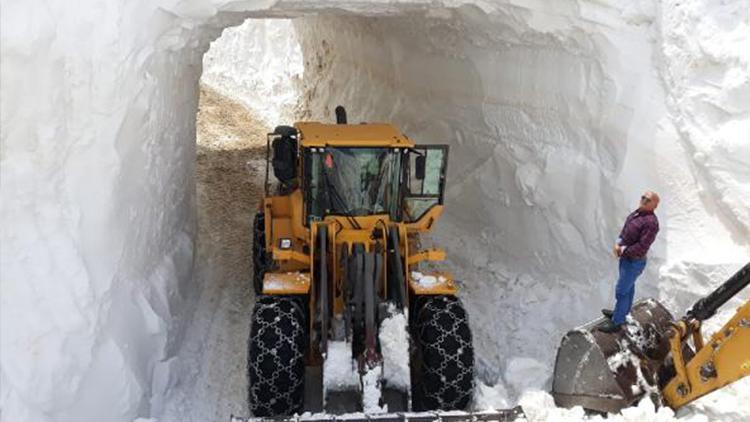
x=608, y=372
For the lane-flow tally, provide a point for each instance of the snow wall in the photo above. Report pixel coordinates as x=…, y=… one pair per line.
x=559, y=115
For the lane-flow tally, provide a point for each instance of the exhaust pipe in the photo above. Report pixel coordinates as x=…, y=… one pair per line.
x=340, y=115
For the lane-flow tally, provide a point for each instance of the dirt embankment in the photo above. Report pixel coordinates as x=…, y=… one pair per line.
x=230, y=170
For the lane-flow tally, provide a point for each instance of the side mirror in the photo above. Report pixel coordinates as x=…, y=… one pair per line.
x=419, y=171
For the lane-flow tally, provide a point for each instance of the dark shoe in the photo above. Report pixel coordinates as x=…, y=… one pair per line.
x=609, y=327
x=607, y=313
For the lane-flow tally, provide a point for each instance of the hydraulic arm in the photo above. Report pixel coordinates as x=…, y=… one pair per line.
x=725, y=358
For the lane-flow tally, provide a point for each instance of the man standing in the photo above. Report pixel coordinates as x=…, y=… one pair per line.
x=636, y=237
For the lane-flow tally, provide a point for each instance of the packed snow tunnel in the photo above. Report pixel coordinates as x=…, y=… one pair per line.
x=125, y=250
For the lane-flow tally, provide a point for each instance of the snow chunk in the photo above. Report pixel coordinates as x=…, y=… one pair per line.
x=540, y=406
x=371, y=391
x=339, y=369
x=424, y=279
x=394, y=347
x=490, y=397
x=646, y=411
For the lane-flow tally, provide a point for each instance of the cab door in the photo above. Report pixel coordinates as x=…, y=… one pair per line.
x=425, y=180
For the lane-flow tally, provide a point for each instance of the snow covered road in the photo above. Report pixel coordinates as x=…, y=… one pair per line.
x=211, y=365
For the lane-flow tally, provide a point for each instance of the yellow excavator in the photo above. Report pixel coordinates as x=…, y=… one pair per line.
x=655, y=355
x=352, y=313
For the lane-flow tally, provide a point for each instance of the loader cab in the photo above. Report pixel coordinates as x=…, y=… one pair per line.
x=353, y=181
x=356, y=173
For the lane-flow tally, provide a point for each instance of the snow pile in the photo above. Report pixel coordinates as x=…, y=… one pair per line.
x=559, y=115
x=371, y=390
x=490, y=397
x=706, y=72
x=394, y=347
x=258, y=63
x=340, y=369
x=539, y=406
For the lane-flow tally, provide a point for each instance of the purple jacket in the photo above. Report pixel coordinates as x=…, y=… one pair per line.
x=638, y=233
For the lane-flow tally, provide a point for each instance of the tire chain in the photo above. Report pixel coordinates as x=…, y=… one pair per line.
x=276, y=367
x=447, y=354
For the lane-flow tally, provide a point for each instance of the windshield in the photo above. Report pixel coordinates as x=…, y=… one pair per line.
x=354, y=181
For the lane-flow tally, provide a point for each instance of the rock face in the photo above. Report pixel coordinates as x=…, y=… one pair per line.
x=559, y=114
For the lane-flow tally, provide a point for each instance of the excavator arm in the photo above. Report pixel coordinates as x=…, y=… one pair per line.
x=724, y=359
x=655, y=354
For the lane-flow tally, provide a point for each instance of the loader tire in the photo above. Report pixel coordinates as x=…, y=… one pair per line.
x=443, y=374
x=261, y=259
x=276, y=357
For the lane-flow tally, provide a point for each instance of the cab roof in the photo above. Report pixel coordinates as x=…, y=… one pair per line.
x=314, y=134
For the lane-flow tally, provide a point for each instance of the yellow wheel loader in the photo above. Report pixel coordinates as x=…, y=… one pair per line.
x=352, y=314
x=656, y=355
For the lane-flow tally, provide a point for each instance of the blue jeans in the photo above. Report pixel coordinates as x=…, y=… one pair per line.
x=630, y=269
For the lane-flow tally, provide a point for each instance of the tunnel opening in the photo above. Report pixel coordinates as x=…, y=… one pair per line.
x=557, y=116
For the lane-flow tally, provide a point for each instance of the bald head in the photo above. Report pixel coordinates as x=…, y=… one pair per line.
x=649, y=201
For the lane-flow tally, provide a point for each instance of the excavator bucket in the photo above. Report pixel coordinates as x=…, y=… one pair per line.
x=607, y=372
